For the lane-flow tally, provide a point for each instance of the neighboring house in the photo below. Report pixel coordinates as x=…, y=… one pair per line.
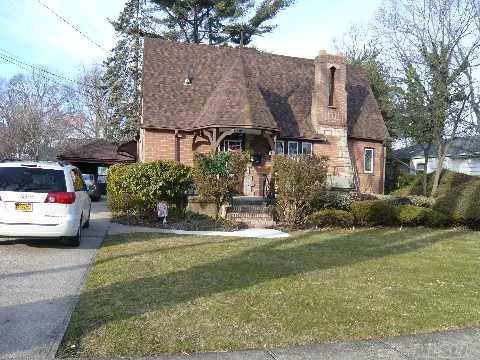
x=463, y=156
x=95, y=156
x=199, y=98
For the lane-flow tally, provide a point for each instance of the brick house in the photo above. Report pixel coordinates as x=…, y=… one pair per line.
x=199, y=98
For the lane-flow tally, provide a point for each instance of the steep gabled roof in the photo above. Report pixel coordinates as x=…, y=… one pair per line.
x=364, y=117
x=237, y=101
x=243, y=87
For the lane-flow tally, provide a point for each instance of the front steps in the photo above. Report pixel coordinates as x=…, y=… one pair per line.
x=250, y=210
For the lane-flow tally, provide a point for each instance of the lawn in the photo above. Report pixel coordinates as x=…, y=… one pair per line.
x=150, y=293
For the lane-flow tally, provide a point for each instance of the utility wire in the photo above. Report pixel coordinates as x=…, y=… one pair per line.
x=71, y=25
x=13, y=59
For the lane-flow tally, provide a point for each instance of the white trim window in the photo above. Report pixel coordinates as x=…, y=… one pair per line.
x=293, y=148
x=280, y=147
x=232, y=145
x=307, y=148
x=368, y=156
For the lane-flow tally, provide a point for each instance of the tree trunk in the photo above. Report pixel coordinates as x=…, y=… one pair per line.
x=438, y=171
x=426, y=152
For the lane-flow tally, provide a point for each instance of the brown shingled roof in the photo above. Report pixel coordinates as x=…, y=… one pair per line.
x=240, y=87
x=364, y=118
x=97, y=151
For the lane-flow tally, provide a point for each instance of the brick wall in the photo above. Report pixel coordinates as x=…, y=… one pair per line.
x=160, y=145
x=369, y=182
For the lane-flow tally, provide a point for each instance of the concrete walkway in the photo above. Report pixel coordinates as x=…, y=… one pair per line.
x=450, y=345
x=248, y=233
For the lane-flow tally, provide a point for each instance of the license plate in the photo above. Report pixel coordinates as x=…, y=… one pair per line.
x=23, y=206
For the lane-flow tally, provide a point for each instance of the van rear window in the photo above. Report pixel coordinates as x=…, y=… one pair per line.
x=32, y=180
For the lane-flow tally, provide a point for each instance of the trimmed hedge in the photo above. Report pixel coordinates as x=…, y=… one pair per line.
x=136, y=188
x=374, y=212
x=458, y=196
x=332, y=217
x=415, y=215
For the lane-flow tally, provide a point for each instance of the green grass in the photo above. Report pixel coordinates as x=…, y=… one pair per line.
x=149, y=294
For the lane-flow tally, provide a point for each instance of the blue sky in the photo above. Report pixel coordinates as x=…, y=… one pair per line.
x=33, y=34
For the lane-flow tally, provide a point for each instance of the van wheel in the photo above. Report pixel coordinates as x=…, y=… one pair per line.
x=74, y=241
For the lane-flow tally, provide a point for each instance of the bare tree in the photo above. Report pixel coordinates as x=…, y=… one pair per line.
x=90, y=104
x=34, y=118
x=427, y=35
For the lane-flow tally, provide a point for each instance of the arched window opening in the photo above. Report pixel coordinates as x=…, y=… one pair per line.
x=331, y=86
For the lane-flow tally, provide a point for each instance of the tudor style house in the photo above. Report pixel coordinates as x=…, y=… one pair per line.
x=199, y=98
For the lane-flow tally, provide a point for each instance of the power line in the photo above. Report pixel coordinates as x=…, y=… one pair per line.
x=15, y=60
x=71, y=25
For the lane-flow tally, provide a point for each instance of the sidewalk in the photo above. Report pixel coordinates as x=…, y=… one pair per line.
x=450, y=345
x=249, y=233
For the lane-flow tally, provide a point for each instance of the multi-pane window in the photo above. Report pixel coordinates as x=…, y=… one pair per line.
x=292, y=148
x=232, y=145
x=368, y=160
x=280, y=147
x=306, y=148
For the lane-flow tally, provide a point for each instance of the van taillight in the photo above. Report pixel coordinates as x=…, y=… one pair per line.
x=60, y=198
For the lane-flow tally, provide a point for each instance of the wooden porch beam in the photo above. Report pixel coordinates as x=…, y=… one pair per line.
x=271, y=139
x=224, y=135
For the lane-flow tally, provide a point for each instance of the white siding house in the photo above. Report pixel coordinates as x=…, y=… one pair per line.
x=463, y=156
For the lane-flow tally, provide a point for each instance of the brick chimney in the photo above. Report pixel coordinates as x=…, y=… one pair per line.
x=329, y=116
x=329, y=102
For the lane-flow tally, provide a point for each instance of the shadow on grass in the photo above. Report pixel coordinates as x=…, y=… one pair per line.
x=122, y=239
x=274, y=259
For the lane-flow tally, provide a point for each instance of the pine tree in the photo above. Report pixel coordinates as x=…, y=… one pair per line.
x=216, y=22
x=124, y=69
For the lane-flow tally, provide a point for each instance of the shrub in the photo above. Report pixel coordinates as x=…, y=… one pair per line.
x=415, y=215
x=416, y=200
x=412, y=215
x=332, y=217
x=436, y=218
x=374, y=212
x=423, y=201
x=405, y=179
x=339, y=200
x=300, y=181
x=458, y=196
x=218, y=176
x=136, y=188
x=394, y=200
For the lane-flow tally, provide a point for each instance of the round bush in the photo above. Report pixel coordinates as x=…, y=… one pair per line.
x=374, y=212
x=136, y=188
x=332, y=217
x=436, y=218
x=412, y=215
x=415, y=215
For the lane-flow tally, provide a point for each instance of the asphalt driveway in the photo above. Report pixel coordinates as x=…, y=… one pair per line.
x=39, y=282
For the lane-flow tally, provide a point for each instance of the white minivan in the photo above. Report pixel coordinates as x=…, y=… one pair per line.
x=43, y=199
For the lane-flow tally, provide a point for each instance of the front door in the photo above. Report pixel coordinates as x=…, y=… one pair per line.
x=249, y=181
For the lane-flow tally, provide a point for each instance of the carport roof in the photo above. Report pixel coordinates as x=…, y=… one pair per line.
x=100, y=151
